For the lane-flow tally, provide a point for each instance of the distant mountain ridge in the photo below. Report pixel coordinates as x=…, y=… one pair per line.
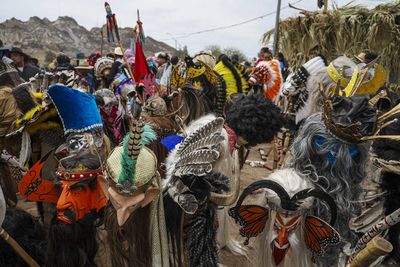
x=43, y=38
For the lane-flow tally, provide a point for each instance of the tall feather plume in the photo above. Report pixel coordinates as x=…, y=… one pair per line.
x=141, y=135
x=134, y=142
x=204, y=131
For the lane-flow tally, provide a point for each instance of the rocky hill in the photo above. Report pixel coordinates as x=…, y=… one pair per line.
x=43, y=38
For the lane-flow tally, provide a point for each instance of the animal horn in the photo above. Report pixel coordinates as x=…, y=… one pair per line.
x=321, y=195
x=134, y=144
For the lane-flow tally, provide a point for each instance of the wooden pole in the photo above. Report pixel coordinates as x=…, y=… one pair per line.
x=378, y=228
x=125, y=60
x=119, y=42
x=102, y=41
x=325, y=6
x=375, y=248
x=276, y=33
x=21, y=252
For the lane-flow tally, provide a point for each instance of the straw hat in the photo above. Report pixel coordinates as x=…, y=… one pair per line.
x=118, y=51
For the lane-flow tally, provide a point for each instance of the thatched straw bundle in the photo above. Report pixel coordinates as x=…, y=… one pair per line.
x=348, y=30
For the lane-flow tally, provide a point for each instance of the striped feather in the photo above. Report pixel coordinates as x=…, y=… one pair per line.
x=134, y=142
x=141, y=135
x=195, y=169
x=204, y=131
x=208, y=141
x=202, y=156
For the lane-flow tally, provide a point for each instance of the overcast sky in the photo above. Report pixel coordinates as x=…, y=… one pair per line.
x=165, y=19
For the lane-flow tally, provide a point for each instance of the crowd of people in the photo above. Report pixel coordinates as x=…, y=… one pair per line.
x=139, y=165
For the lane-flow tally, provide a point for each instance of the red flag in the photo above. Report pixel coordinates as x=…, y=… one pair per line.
x=141, y=68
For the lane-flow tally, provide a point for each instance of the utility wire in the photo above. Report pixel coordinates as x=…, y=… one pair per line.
x=229, y=26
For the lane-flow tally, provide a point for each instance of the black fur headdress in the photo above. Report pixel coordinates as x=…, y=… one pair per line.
x=28, y=233
x=255, y=118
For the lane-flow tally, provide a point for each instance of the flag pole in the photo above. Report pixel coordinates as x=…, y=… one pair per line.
x=112, y=30
x=102, y=40
x=17, y=248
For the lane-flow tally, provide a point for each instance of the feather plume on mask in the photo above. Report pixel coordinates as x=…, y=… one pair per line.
x=141, y=135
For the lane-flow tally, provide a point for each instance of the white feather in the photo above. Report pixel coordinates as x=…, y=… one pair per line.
x=222, y=165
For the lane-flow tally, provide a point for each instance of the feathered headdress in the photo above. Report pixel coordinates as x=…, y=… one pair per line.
x=194, y=156
x=133, y=165
x=102, y=64
x=299, y=78
x=268, y=73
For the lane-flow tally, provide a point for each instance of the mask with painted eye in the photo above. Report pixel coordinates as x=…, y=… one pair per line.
x=284, y=225
x=74, y=145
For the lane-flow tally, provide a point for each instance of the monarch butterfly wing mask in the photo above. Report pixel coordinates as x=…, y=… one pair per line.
x=318, y=234
x=251, y=218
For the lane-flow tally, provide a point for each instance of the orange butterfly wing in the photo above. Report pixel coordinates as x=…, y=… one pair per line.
x=252, y=218
x=319, y=234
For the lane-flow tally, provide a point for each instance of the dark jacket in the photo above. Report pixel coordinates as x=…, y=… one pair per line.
x=115, y=68
x=28, y=72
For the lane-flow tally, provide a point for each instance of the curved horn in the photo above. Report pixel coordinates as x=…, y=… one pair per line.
x=135, y=136
x=320, y=195
x=229, y=199
x=274, y=186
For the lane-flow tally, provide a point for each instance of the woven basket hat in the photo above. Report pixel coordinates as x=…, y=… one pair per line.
x=146, y=166
x=132, y=165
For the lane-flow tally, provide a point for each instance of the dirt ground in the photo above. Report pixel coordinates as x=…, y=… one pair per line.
x=248, y=175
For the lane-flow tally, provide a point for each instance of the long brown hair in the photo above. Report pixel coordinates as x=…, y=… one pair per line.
x=130, y=244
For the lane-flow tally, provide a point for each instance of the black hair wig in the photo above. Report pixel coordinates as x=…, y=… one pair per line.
x=208, y=90
x=28, y=233
x=73, y=244
x=197, y=102
x=255, y=118
x=201, y=230
x=174, y=224
x=62, y=59
x=130, y=244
